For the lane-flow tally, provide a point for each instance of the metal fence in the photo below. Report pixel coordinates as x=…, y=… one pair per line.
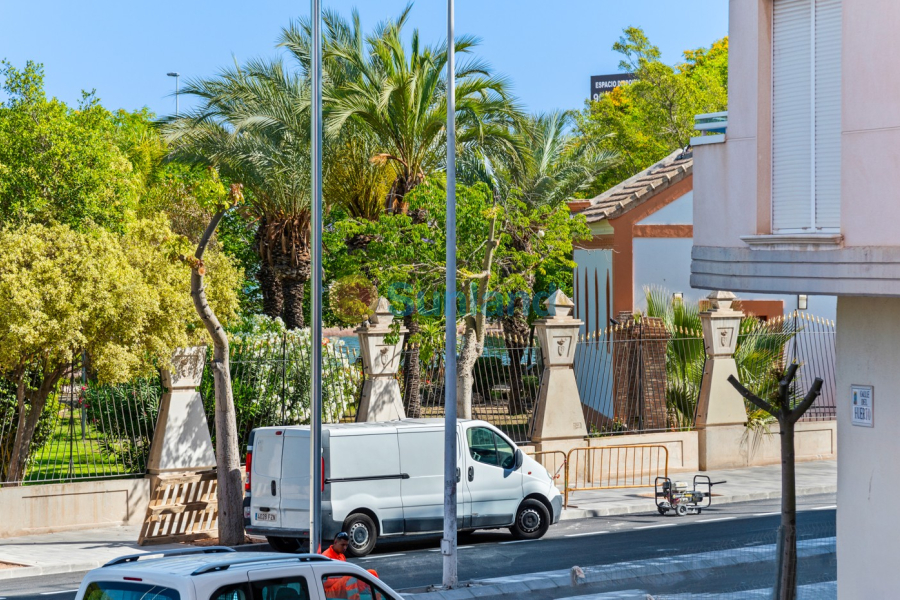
x=765, y=350
x=634, y=378
x=639, y=378
x=93, y=431
x=507, y=381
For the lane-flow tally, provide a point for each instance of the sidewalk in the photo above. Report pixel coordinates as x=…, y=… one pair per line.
x=742, y=485
x=87, y=549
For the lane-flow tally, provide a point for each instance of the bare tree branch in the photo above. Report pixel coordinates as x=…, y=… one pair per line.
x=757, y=401
x=811, y=396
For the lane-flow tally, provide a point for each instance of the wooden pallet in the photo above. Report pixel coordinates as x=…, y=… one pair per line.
x=183, y=508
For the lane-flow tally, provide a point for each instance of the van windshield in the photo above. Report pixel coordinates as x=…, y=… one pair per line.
x=120, y=590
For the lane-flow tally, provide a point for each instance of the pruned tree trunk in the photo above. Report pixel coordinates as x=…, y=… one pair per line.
x=228, y=464
x=412, y=375
x=786, y=574
x=473, y=337
x=29, y=415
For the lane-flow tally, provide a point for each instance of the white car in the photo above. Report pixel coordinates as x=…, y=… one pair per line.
x=218, y=573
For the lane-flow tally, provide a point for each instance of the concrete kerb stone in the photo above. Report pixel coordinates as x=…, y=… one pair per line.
x=626, y=571
x=42, y=570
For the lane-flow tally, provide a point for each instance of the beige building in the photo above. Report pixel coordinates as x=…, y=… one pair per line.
x=799, y=196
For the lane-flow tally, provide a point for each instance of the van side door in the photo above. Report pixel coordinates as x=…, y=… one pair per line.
x=491, y=476
x=422, y=459
x=265, y=478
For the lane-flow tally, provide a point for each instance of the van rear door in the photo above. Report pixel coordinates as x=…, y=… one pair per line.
x=265, y=478
x=295, y=480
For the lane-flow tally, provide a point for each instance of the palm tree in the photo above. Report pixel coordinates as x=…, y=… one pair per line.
x=545, y=167
x=396, y=95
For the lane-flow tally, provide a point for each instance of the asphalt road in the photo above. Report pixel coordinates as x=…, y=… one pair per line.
x=415, y=563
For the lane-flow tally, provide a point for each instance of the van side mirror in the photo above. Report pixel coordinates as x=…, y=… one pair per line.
x=520, y=458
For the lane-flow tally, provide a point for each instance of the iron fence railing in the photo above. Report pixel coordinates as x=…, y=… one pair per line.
x=635, y=378
x=765, y=351
x=93, y=431
x=639, y=378
x=506, y=383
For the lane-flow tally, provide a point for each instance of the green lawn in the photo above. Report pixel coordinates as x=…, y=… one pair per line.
x=60, y=459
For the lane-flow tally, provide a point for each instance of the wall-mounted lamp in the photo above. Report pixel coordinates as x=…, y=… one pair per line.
x=802, y=302
x=678, y=297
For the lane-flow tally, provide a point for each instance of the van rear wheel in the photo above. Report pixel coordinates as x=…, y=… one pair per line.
x=363, y=534
x=283, y=544
x=532, y=520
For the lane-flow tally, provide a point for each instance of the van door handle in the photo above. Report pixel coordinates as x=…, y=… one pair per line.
x=274, y=491
x=457, y=474
x=471, y=473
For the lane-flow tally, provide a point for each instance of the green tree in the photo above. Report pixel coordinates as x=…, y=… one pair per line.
x=646, y=120
x=59, y=164
x=119, y=299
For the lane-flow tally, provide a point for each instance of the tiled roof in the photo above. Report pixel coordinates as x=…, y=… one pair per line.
x=636, y=190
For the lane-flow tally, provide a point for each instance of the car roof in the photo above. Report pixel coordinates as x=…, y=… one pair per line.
x=197, y=563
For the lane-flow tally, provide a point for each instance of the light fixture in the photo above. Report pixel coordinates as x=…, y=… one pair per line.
x=176, y=76
x=678, y=297
x=802, y=302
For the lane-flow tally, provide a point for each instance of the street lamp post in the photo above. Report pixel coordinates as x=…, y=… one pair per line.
x=315, y=415
x=448, y=544
x=176, y=76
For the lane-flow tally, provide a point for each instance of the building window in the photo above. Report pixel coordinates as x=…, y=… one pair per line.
x=806, y=116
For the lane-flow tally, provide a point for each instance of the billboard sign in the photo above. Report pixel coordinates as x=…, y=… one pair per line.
x=600, y=84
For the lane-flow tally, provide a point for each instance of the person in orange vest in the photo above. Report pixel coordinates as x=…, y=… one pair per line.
x=344, y=587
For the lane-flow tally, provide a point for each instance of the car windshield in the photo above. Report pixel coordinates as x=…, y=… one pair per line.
x=118, y=590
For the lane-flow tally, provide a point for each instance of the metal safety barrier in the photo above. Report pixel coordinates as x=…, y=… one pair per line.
x=614, y=467
x=557, y=468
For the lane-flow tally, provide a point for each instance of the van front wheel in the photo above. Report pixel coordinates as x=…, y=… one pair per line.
x=532, y=520
x=363, y=534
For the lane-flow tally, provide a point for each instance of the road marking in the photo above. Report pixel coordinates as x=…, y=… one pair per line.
x=381, y=556
x=824, y=507
x=585, y=534
x=59, y=592
x=458, y=548
x=655, y=526
x=767, y=514
x=719, y=519
x=512, y=542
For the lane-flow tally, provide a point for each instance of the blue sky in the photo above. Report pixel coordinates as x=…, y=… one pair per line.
x=549, y=49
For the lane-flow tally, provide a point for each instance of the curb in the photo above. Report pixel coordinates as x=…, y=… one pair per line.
x=41, y=570
x=620, y=572
x=569, y=514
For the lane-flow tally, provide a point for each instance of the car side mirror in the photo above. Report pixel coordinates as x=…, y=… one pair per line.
x=520, y=458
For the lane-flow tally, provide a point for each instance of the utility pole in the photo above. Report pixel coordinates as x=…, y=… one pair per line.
x=315, y=413
x=448, y=543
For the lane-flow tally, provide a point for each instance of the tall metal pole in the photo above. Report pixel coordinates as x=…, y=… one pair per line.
x=176, y=95
x=315, y=435
x=448, y=544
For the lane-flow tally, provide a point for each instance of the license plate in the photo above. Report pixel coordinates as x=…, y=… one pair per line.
x=265, y=517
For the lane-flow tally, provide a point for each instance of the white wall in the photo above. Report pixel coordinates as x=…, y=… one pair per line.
x=868, y=527
x=679, y=212
x=593, y=272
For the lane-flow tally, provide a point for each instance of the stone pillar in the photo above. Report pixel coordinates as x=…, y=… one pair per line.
x=181, y=440
x=558, y=414
x=721, y=414
x=381, y=399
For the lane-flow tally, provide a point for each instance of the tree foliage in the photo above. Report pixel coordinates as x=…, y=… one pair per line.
x=59, y=164
x=646, y=120
x=120, y=299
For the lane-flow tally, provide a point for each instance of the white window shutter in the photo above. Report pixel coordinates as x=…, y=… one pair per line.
x=828, y=114
x=792, y=123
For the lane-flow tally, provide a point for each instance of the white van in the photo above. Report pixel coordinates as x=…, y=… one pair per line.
x=386, y=479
